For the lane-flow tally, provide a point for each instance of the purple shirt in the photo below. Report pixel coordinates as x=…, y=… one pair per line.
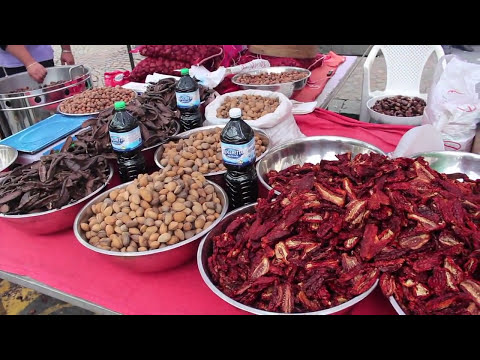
x=39, y=53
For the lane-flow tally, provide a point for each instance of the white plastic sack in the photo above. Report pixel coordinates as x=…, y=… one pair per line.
x=419, y=139
x=280, y=125
x=453, y=105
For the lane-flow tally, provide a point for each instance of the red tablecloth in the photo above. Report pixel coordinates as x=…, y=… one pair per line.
x=61, y=262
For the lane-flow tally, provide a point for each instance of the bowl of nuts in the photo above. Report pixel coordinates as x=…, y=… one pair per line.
x=284, y=79
x=396, y=109
x=152, y=223
x=199, y=150
x=253, y=106
x=91, y=102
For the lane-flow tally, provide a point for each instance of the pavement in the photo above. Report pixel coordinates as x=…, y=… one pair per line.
x=16, y=300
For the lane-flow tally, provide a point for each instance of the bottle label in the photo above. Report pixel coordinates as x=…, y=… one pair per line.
x=126, y=141
x=239, y=154
x=188, y=99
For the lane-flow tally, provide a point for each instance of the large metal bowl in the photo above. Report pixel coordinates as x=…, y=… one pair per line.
x=52, y=221
x=216, y=176
x=450, y=162
x=8, y=155
x=396, y=306
x=287, y=89
x=206, y=248
x=311, y=149
x=152, y=260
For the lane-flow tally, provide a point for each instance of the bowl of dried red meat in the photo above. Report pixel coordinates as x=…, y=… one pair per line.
x=266, y=259
x=45, y=196
x=291, y=159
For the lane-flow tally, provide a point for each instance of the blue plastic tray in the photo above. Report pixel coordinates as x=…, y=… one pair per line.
x=45, y=133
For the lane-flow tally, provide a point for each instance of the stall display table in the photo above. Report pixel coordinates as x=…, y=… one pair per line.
x=61, y=267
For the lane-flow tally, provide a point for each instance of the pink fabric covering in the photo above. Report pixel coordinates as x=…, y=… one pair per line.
x=61, y=262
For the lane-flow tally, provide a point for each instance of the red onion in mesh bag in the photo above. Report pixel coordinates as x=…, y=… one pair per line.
x=193, y=54
x=156, y=65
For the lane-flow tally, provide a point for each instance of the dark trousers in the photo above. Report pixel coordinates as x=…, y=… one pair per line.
x=15, y=70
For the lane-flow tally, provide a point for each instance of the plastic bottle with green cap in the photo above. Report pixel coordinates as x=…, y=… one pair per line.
x=188, y=101
x=126, y=140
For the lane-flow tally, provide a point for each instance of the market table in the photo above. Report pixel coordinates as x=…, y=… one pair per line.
x=61, y=267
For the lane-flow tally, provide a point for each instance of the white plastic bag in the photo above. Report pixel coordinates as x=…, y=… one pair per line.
x=280, y=125
x=453, y=105
x=419, y=139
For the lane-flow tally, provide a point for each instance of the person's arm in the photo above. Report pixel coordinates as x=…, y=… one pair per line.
x=35, y=70
x=67, y=55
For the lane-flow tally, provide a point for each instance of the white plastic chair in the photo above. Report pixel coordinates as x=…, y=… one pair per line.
x=405, y=64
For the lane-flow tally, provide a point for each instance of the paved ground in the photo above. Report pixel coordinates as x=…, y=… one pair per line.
x=102, y=58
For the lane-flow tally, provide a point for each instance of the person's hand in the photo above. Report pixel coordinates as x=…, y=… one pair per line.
x=67, y=58
x=37, y=71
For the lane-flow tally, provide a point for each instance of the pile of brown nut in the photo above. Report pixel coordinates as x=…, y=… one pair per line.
x=272, y=78
x=96, y=100
x=152, y=212
x=200, y=152
x=253, y=106
x=401, y=106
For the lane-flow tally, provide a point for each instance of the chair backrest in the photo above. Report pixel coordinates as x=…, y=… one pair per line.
x=405, y=64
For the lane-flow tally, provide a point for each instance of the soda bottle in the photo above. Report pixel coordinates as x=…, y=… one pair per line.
x=238, y=152
x=126, y=140
x=188, y=101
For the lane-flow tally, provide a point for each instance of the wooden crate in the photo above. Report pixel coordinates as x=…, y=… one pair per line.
x=292, y=51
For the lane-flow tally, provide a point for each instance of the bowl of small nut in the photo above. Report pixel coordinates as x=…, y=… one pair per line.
x=287, y=80
x=91, y=102
x=152, y=223
x=200, y=150
x=397, y=109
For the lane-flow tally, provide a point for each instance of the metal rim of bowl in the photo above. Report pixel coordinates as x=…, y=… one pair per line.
x=312, y=138
x=287, y=68
x=87, y=114
x=396, y=306
x=81, y=240
x=371, y=102
x=448, y=153
x=15, y=151
x=190, y=132
x=177, y=131
x=256, y=311
x=48, y=89
x=99, y=190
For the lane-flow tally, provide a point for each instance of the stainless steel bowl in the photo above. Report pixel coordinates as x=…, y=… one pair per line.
x=216, y=176
x=396, y=306
x=287, y=89
x=52, y=221
x=8, y=155
x=152, y=260
x=311, y=149
x=206, y=248
x=450, y=162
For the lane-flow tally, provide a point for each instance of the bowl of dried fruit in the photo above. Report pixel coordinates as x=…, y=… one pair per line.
x=396, y=109
x=45, y=196
x=265, y=259
x=271, y=169
x=152, y=223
